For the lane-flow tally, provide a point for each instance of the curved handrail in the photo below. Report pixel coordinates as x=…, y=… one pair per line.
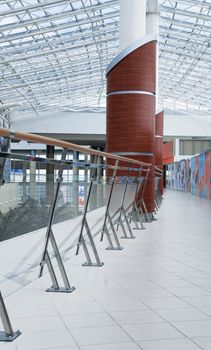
x=64, y=144
x=158, y=171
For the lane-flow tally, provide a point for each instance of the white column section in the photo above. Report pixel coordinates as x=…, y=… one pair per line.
x=152, y=17
x=132, y=21
x=176, y=148
x=152, y=27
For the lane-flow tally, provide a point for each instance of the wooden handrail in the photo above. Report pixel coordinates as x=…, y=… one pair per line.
x=158, y=170
x=18, y=135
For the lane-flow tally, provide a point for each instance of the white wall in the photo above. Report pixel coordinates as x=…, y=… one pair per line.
x=63, y=123
x=183, y=125
x=175, y=124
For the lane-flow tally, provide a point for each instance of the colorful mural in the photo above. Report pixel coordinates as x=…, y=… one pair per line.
x=191, y=175
x=178, y=175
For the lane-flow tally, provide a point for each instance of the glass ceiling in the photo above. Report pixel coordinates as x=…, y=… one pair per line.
x=53, y=54
x=185, y=56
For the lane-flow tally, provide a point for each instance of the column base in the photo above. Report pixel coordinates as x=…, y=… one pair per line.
x=60, y=290
x=9, y=338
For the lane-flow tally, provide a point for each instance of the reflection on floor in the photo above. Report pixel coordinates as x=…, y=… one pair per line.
x=155, y=294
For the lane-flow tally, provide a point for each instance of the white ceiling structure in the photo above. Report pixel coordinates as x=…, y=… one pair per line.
x=54, y=53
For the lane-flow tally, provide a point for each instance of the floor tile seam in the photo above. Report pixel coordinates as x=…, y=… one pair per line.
x=188, y=337
x=123, y=289
x=155, y=311
x=108, y=313
x=166, y=269
x=181, y=299
x=33, y=317
x=175, y=309
x=120, y=326
x=147, y=280
x=185, y=301
x=186, y=296
x=166, y=288
x=133, y=297
x=194, y=342
x=169, y=339
x=157, y=339
x=191, y=321
x=142, y=298
x=202, y=336
x=195, y=248
x=68, y=330
x=194, y=284
x=79, y=313
x=189, y=266
x=57, y=348
x=207, y=275
x=167, y=308
x=188, y=287
x=82, y=346
x=205, y=287
x=204, y=312
x=196, y=307
x=199, y=346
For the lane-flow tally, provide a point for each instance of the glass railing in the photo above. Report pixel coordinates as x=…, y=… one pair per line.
x=52, y=210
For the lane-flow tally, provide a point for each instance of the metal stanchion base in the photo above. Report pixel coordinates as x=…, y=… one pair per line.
x=60, y=290
x=9, y=338
x=93, y=264
x=108, y=248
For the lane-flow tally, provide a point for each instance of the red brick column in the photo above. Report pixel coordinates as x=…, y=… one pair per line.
x=131, y=85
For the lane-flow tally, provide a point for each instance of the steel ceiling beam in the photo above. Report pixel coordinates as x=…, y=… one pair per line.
x=57, y=27
x=54, y=17
x=44, y=4
x=185, y=13
x=56, y=50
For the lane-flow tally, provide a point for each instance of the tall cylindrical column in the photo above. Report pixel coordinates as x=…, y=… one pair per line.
x=159, y=145
x=152, y=27
x=152, y=17
x=132, y=21
x=131, y=86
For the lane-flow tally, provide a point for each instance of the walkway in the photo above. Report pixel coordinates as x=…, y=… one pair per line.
x=153, y=295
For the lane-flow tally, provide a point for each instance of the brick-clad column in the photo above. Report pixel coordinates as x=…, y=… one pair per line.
x=131, y=86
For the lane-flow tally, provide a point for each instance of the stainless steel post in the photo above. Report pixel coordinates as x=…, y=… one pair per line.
x=135, y=212
x=50, y=237
x=84, y=225
x=8, y=335
x=108, y=217
x=123, y=213
x=142, y=199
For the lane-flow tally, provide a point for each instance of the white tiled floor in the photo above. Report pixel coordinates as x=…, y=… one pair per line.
x=153, y=295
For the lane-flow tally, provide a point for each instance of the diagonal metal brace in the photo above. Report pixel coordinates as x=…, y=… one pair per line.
x=8, y=335
x=50, y=238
